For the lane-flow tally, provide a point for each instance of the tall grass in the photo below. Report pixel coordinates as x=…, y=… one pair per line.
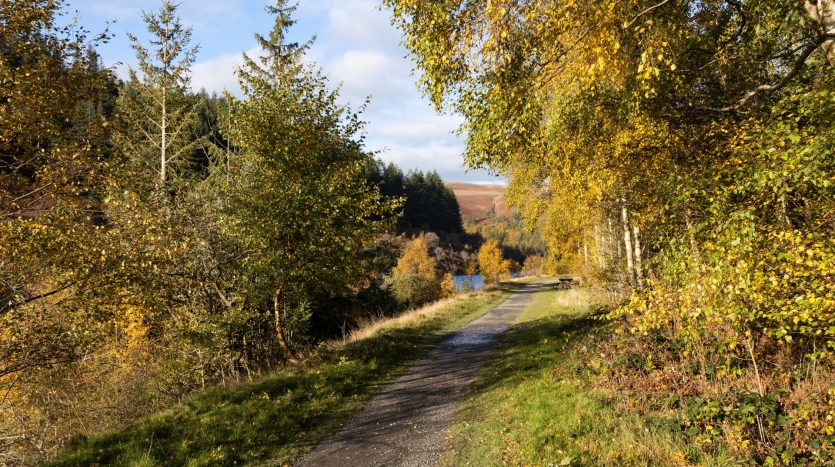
x=371, y=327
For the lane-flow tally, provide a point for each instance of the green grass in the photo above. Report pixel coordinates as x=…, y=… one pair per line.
x=535, y=404
x=273, y=421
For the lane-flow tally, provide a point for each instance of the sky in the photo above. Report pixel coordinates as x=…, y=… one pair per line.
x=356, y=47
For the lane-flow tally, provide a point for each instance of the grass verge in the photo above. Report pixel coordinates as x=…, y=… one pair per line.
x=536, y=402
x=273, y=421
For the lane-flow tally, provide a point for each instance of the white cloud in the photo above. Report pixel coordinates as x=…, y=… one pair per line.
x=442, y=157
x=366, y=73
x=445, y=158
x=362, y=23
x=419, y=126
x=356, y=46
x=216, y=74
x=361, y=49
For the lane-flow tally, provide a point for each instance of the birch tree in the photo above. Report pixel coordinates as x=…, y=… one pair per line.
x=491, y=262
x=52, y=140
x=822, y=13
x=715, y=116
x=297, y=200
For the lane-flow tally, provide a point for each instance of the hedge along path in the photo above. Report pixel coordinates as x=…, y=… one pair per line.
x=407, y=422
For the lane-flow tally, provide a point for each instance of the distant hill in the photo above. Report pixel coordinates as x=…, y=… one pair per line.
x=480, y=201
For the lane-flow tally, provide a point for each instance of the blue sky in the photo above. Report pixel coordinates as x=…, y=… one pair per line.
x=355, y=45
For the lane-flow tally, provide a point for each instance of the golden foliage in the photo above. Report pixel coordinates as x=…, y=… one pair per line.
x=415, y=259
x=448, y=286
x=415, y=280
x=492, y=264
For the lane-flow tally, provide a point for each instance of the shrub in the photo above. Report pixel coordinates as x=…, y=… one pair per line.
x=415, y=281
x=448, y=285
x=492, y=263
x=533, y=265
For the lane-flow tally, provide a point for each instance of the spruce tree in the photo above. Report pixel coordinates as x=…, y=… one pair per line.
x=156, y=114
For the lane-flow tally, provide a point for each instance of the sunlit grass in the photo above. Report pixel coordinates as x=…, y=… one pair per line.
x=535, y=404
x=408, y=319
x=414, y=317
x=273, y=421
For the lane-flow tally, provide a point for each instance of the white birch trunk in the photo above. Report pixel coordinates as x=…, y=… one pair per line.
x=613, y=240
x=627, y=240
x=585, y=258
x=163, y=148
x=822, y=12
x=639, y=272
x=599, y=242
x=164, y=139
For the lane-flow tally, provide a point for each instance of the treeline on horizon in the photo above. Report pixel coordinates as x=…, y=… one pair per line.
x=430, y=205
x=156, y=241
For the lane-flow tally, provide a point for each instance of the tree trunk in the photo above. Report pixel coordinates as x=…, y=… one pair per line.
x=627, y=240
x=585, y=258
x=822, y=12
x=784, y=211
x=164, y=140
x=639, y=272
x=600, y=243
x=613, y=240
x=279, y=327
x=163, y=147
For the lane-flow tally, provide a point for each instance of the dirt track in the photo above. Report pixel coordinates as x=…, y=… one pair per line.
x=407, y=422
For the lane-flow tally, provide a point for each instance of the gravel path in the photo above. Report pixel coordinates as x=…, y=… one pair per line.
x=407, y=422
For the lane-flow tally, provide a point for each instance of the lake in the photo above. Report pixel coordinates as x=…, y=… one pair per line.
x=476, y=282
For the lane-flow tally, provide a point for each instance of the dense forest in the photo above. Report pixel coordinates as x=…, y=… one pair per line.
x=679, y=154
x=430, y=205
x=157, y=240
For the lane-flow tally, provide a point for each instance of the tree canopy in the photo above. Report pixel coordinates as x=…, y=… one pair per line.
x=156, y=240
x=296, y=198
x=679, y=152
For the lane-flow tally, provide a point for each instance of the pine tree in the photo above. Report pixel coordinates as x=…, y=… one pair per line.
x=282, y=59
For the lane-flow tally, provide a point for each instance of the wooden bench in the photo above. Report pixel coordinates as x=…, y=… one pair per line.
x=565, y=283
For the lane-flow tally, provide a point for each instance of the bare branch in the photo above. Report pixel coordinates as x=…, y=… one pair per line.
x=31, y=193
x=636, y=18
x=805, y=52
x=148, y=135
x=10, y=306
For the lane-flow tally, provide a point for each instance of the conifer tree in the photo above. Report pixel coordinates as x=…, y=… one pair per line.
x=156, y=114
x=282, y=59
